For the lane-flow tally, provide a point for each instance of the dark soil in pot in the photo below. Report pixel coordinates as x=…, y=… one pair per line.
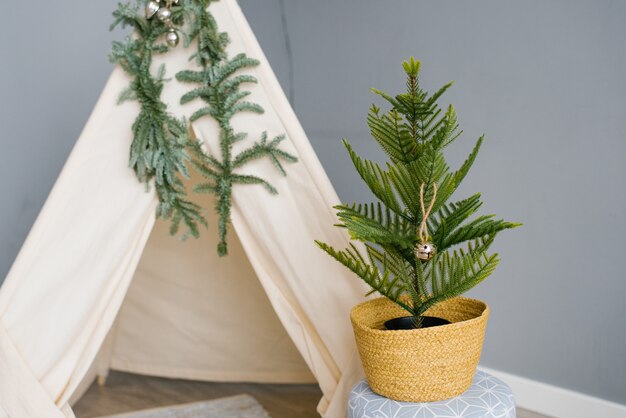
x=408, y=322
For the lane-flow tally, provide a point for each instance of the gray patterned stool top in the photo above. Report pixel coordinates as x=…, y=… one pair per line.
x=488, y=397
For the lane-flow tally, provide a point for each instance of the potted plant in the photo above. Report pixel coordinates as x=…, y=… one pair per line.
x=419, y=251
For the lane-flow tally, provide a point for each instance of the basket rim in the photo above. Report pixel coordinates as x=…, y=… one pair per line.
x=431, y=330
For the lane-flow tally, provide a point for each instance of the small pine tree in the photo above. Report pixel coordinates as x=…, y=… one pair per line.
x=412, y=208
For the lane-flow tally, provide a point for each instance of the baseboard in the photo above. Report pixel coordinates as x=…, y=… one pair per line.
x=557, y=402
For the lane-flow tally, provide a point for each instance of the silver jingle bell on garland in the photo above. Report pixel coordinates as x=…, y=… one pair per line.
x=151, y=8
x=172, y=38
x=164, y=13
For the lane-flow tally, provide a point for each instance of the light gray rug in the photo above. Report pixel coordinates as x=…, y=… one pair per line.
x=240, y=406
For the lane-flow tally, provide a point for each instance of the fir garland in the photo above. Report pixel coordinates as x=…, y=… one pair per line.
x=162, y=147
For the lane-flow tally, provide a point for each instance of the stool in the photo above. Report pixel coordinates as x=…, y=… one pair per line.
x=488, y=397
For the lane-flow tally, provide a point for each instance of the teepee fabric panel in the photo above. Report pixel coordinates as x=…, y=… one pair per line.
x=192, y=314
x=21, y=394
x=70, y=277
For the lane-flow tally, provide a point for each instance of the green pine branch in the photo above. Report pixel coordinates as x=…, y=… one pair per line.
x=451, y=216
x=220, y=88
x=263, y=149
x=377, y=179
x=454, y=274
x=377, y=224
x=384, y=282
x=158, y=152
x=479, y=227
x=392, y=135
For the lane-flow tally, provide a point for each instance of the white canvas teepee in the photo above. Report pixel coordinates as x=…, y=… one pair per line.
x=99, y=284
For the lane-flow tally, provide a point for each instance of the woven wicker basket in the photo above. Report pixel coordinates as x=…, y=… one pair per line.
x=420, y=365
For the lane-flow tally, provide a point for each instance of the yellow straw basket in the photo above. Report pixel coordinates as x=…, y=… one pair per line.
x=420, y=365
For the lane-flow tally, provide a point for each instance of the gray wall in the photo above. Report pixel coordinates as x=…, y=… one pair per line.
x=543, y=80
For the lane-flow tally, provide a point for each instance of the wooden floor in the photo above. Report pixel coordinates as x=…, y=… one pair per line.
x=126, y=392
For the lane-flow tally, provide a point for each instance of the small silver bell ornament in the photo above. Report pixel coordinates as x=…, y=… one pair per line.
x=164, y=14
x=171, y=38
x=152, y=8
x=425, y=251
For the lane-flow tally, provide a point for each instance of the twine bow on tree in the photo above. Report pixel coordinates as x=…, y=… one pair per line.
x=425, y=250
